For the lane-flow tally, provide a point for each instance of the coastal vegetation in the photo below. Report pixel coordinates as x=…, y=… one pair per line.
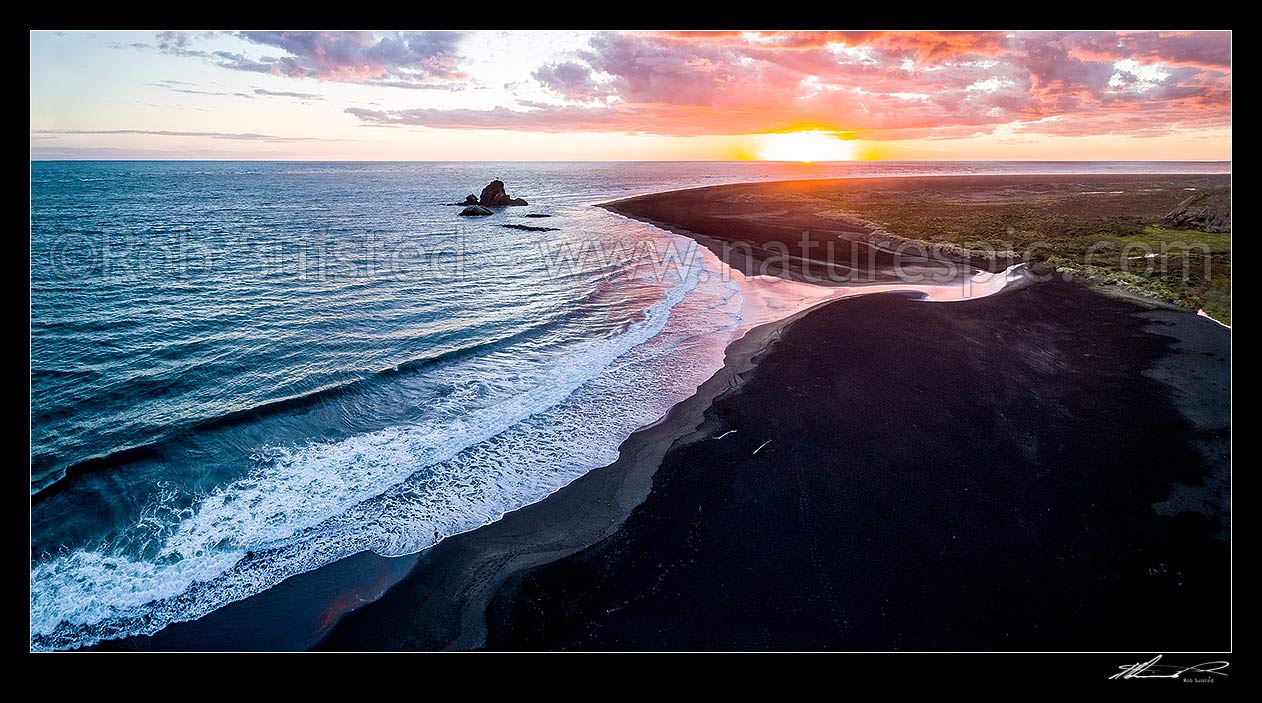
x=1112, y=238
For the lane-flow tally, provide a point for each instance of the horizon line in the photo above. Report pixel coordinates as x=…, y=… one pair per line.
x=652, y=161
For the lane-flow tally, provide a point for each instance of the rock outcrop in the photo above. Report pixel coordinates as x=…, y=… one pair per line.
x=1206, y=211
x=494, y=195
x=530, y=228
x=475, y=211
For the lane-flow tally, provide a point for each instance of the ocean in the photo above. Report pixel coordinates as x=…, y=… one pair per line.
x=243, y=371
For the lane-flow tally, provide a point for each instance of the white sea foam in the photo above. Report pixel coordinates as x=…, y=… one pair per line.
x=303, y=506
x=1202, y=313
x=389, y=491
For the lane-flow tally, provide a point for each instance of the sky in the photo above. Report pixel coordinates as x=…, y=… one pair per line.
x=641, y=95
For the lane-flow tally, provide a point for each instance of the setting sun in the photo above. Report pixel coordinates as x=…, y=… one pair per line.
x=805, y=147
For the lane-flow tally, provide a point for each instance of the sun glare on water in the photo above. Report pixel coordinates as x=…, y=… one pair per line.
x=805, y=147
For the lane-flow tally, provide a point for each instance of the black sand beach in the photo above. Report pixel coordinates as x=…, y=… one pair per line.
x=1044, y=469
x=913, y=476
x=442, y=603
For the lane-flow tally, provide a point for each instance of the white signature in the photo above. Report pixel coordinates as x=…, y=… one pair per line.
x=1152, y=670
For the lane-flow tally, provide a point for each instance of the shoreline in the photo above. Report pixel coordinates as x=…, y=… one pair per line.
x=1135, y=516
x=360, y=580
x=447, y=596
x=1051, y=219
x=473, y=563
x=476, y=564
x=448, y=587
x=462, y=573
x=979, y=492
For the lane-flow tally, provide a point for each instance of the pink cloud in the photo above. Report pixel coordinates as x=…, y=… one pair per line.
x=1201, y=49
x=879, y=85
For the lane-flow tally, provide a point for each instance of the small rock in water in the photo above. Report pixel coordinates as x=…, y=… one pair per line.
x=530, y=228
x=475, y=211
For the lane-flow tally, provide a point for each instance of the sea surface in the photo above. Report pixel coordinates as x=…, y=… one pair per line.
x=242, y=371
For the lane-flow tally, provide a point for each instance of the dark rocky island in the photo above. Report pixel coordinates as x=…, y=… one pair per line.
x=493, y=195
